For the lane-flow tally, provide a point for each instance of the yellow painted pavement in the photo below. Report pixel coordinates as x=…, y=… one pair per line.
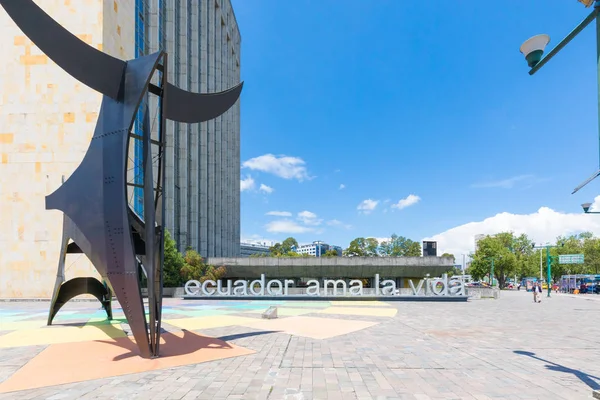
x=287, y=311
x=18, y=325
x=60, y=334
x=312, y=327
x=371, y=312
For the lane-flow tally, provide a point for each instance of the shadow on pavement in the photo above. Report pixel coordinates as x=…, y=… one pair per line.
x=245, y=335
x=589, y=380
x=172, y=345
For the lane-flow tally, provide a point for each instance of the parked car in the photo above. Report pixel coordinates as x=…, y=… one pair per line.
x=478, y=284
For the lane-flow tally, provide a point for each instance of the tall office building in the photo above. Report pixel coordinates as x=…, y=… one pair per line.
x=203, y=160
x=47, y=119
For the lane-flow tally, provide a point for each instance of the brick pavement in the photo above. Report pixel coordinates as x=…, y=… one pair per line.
x=487, y=349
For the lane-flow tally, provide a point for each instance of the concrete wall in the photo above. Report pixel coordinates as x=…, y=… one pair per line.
x=351, y=267
x=483, y=293
x=47, y=119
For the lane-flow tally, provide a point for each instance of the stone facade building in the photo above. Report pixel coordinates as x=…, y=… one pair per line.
x=47, y=119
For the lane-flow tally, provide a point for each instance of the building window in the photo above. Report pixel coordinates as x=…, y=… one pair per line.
x=138, y=157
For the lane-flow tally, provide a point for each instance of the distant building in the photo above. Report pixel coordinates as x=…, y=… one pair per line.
x=317, y=249
x=429, y=249
x=338, y=249
x=249, y=248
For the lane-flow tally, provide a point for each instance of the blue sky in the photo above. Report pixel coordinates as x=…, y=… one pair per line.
x=430, y=99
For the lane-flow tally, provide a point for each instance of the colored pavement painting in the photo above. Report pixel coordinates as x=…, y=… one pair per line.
x=82, y=328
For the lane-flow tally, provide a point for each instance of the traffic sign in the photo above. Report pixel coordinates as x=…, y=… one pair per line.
x=570, y=259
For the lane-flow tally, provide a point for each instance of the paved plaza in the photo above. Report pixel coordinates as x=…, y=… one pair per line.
x=509, y=348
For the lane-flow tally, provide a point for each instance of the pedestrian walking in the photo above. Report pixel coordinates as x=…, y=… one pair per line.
x=537, y=293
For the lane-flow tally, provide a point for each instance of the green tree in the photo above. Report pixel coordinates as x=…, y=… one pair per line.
x=522, y=247
x=195, y=268
x=501, y=249
x=173, y=263
x=284, y=248
x=289, y=244
x=258, y=255
x=584, y=243
x=591, y=254
x=449, y=255
x=399, y=246
x=330, y=253
x=455, y=271
x=361, y=247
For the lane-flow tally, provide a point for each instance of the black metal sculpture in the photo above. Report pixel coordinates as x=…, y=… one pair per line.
x=98, y=219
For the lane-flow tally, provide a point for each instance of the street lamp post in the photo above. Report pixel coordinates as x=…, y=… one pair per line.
x=492, y=271
x=533, y=49
x=541, y=273
x=548, y=263
x=586, y=208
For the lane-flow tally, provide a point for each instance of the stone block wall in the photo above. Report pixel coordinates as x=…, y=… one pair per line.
x=47, y=119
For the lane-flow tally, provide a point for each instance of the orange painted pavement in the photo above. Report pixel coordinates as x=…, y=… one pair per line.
x=75, y=362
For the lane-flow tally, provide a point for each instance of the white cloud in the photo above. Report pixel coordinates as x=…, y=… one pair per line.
x=282, y=166
x=542, y=226
x=342, y=186
x=265, y=188
x=527, y=180
x=280, y=213
x=247, y=184
x=410, y=200
x=366, y=206
x=286, y=226
x=335, y=222
x=309, y=218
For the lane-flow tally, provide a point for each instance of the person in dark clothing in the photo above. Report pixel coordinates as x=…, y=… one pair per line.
x=537, y=293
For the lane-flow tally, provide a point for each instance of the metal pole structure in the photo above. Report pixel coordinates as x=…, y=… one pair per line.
x=591, y=17
x=541, y=274
x=549, y=262
x=596, y=7
x=492, y=273
x=567, y=39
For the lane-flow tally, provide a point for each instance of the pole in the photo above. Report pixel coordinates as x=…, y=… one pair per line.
x=541, y=273
x=596, y=6
x=492, y=273
x=549, y=262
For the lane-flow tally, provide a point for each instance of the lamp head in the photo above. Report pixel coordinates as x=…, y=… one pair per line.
x=586, y=207
x=533, y=49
